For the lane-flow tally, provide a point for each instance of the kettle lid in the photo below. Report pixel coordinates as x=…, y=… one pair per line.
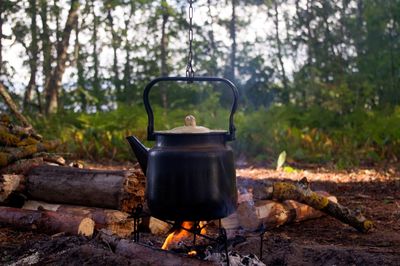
x=190, y=127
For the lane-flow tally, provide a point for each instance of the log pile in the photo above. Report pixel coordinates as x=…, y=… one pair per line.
x=56, y=198
x=101, y=198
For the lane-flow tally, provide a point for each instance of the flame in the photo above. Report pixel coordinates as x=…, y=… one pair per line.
x=181, y=234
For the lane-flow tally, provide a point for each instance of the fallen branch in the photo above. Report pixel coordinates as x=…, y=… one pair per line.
x=271, y=214
x=302, y=193
x=46, y=221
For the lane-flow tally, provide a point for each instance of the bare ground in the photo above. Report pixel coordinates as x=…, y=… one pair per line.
x=323, y=241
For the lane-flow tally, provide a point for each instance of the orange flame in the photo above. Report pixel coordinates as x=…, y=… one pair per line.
x=181, y=234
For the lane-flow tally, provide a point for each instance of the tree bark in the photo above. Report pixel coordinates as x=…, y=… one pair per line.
x=33, y=49
x=46, y=221
x=121, y=190
x=116, y=222
x=54, y=84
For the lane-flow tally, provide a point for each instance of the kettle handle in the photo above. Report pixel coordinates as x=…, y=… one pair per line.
x=149, y=110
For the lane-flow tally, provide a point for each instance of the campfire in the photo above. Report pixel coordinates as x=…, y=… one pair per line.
x=183, y=233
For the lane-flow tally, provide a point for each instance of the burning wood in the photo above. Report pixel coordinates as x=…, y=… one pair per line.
x=183, y=232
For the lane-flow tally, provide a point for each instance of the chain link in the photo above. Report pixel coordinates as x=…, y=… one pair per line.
x=189, y=67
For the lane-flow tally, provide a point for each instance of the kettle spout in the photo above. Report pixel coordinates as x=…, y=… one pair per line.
x=140, y=151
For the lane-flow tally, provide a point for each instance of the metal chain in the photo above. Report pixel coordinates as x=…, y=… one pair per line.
x=189, y=67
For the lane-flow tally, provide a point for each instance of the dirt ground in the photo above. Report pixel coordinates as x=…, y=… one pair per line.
x=323, y=241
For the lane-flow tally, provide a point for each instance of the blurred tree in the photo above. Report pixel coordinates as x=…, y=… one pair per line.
x=54, y=84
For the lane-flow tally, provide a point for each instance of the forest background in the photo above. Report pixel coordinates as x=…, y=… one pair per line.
x=317, y=79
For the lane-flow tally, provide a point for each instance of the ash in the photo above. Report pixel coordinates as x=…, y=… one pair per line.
x=235, y=259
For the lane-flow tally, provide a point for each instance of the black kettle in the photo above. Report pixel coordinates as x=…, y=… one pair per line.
x=190, y=171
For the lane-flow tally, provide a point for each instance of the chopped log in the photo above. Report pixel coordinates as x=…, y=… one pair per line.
x=46, y=221
x=116, y=222
x=271, y=214
x=10, y=184
x=301, y=192
x=121, y=190
x=22, y=167
x=148, y=254
x=158, y=227
x=27, y=151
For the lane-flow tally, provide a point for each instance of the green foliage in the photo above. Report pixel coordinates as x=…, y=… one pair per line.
x=313, y=135
x=319, y=136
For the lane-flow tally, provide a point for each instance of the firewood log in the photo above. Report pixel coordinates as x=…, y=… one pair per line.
x=116, y=222
x=121, y=190
x=19, y=131
x=302, y=193
x=158, y=227
x=22, y=167
x=7, y=158
x=270, y=214
x=46, y=221
x=10, y=184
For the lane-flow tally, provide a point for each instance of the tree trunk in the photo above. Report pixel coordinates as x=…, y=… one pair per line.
x=116, y=222
x=96, y=80
x=127, y=66
x=33, y=50
x=54, y=84
x=114, y=45
x=46, y=221
x=46, y=51
x=232, y=32
x=121, y=190
x=1, y=36
x=164, y=51
x=285, y=94
x=213, y=46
